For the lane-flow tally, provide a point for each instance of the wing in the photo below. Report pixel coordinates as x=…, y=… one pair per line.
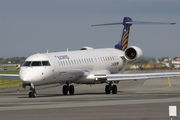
x=14, y=76
x=123, y=77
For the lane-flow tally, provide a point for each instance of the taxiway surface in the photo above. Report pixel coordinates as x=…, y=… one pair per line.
x=136, y=100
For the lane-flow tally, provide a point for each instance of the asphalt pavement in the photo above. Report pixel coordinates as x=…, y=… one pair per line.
x=136, y=100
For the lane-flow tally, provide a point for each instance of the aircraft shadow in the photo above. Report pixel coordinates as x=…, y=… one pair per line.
x=59, y=95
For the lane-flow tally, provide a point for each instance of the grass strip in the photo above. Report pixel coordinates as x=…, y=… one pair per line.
x=9, y=83
x=9, y=72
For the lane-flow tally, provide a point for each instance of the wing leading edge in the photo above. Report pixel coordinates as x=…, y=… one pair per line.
x=13, y=76
x=124, y=77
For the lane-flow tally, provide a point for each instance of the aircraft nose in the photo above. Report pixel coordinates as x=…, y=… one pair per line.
x=25, y=75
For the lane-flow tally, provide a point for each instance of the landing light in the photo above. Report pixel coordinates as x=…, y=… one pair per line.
x=96, y=79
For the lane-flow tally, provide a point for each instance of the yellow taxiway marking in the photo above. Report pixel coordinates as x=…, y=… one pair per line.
x=156, y=88
x=160, y=88
x=163, y=87
x=80, y=86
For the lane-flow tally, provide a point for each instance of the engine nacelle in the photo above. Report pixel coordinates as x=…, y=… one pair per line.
x=86, y=48
x=133, y=53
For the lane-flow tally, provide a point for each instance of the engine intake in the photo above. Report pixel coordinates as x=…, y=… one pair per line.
x=86, y=48
x=133, y=53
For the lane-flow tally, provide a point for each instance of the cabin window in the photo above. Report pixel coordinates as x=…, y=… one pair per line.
x=69, y=62
x=61, y=63
x=91, y=59
x=106, y=58
x=110, y=58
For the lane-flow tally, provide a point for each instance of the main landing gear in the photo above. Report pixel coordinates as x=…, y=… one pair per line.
x=67, y=88
x=109, y=87
x=32, y=94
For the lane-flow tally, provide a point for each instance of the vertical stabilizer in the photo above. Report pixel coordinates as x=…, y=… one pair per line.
x=123, y=43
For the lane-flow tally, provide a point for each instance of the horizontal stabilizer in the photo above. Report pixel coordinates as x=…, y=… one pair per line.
x=140, y=22
x=127, y=22
x=135, y=22
x=108, y=24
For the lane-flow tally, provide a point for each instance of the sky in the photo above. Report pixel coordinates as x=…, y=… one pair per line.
x=32, y=26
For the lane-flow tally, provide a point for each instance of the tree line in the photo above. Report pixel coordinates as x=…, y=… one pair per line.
x=13, y=60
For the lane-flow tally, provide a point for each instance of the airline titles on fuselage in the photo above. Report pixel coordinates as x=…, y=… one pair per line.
x=65, y=60
x=62, y=57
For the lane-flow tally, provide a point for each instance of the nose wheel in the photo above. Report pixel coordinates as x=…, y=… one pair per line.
x=67, y=88
x=32, y=94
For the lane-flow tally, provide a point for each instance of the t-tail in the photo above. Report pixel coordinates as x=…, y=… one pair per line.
x=123, y=43
x=127, y=22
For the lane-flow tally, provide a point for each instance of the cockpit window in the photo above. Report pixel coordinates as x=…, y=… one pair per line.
x=26, y=63
x=36, y=63
x=45, y=63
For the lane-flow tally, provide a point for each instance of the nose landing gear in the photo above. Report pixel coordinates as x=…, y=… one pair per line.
x=32, y=94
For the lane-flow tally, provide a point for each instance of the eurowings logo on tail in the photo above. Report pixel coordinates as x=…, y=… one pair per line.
x=123, y=44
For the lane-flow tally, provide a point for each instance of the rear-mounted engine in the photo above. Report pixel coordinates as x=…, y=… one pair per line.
x=133, y=53
x=86, y=48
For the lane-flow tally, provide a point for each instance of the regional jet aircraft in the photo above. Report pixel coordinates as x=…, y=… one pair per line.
x=86, y=66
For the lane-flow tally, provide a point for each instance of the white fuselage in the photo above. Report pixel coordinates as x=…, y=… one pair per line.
x=71, y=66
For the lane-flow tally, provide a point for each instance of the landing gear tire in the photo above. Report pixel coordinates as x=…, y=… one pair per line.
x=65, y=90
x=114, y=89
x=32, y=94
x=71, y=90
x=107, y=89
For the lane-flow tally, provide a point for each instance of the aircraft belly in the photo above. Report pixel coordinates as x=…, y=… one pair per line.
x=68, y=76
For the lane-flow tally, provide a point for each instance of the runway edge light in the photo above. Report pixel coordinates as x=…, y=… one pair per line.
x=172, y=111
